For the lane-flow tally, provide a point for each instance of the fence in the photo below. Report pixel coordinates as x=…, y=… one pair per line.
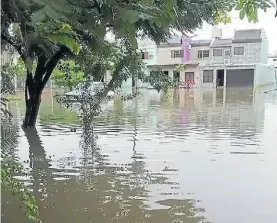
x=19, y=84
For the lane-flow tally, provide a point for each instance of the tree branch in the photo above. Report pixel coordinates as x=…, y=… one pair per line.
x=111, y=84
x=276, y=8
x=40, y=67
x=51, y=64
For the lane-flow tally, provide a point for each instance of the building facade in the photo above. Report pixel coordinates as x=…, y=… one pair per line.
x=240, y=61
x=272, y=60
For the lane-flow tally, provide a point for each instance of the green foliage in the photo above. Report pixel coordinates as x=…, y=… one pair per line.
x=249, y=8
x=68, y=74
x=10, y=167
x=159, y=80
x=180, y=68
x=7, y=87
x=17, y=69
x=66, y=40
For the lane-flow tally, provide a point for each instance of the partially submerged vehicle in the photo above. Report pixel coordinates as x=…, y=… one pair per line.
x=87, y=91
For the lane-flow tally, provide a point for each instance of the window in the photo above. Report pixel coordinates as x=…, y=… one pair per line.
x=144, y=55
x=239, y=50
x=208, y=76
x=177, y=53
x=227, y=52
x=165, y=73
x=203, y=54
x=176, y=76
x=217, y=52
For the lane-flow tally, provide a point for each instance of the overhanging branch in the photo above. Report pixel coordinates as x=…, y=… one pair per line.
x=276, y=8
x=40, y=67
x=52, y=63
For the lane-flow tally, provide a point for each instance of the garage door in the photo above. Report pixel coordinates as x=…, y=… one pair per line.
x=240, y=78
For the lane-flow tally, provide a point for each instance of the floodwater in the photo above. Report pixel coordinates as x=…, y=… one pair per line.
x=188, y=156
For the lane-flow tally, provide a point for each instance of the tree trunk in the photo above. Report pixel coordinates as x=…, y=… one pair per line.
x=32, y=102
x=33, y=91
x=35, y=84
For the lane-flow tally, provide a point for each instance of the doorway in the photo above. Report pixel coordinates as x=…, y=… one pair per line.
x=176, y=78
x=220, y=78
x=189, y=76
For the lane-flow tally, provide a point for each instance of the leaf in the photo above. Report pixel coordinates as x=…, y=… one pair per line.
x=65, y=40
x=52, y=13
x=238, y=7
x=128, y=15
x=39, y=2
x=241, y=14
x=38, y=16
x=120, y=28
x=99, y=31
x=132, y=35
x=158, y=23
x=145, y=16
x=29, y=64
x=65, y=28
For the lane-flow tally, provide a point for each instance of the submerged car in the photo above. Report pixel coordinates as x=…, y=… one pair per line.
x=82, y=91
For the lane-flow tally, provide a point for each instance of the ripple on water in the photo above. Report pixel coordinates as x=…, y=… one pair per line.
x=158, y=161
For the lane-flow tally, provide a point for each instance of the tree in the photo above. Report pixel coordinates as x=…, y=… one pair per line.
x=48, y=30
x=68, y=74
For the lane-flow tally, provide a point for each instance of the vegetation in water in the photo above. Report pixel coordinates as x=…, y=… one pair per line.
x=10, y=166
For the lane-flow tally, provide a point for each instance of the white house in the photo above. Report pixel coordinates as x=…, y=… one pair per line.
x=240, y=61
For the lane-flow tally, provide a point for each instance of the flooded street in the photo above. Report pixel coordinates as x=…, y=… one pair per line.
x=188, y=156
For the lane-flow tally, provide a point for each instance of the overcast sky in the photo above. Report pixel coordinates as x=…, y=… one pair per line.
x=266, y=21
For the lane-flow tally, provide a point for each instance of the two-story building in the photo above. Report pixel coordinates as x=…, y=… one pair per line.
x=168, y=56
x=240, y=61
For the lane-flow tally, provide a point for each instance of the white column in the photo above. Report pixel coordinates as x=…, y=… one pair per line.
x=15, y=82
x=215, y=77
x=225, y=77
x=182, y=76
x=170, y=73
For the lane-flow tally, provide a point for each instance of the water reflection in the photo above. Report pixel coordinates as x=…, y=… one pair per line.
x=184, y=156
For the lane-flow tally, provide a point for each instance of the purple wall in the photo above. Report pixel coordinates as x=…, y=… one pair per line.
x=185, y=47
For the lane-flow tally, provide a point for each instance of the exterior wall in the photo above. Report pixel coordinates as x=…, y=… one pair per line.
x=264, y=75
x=150, y=47
x=200, y=83
x=252, y=53
x=194, y=54
x=185, y=47
x=190, y=68
x=164, y=55
x=273, y=61
x=264, y=48
x=220, y=59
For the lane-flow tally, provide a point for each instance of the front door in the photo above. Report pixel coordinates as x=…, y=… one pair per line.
x=189, y=76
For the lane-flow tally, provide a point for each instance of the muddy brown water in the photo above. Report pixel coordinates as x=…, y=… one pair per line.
x=188, y=156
